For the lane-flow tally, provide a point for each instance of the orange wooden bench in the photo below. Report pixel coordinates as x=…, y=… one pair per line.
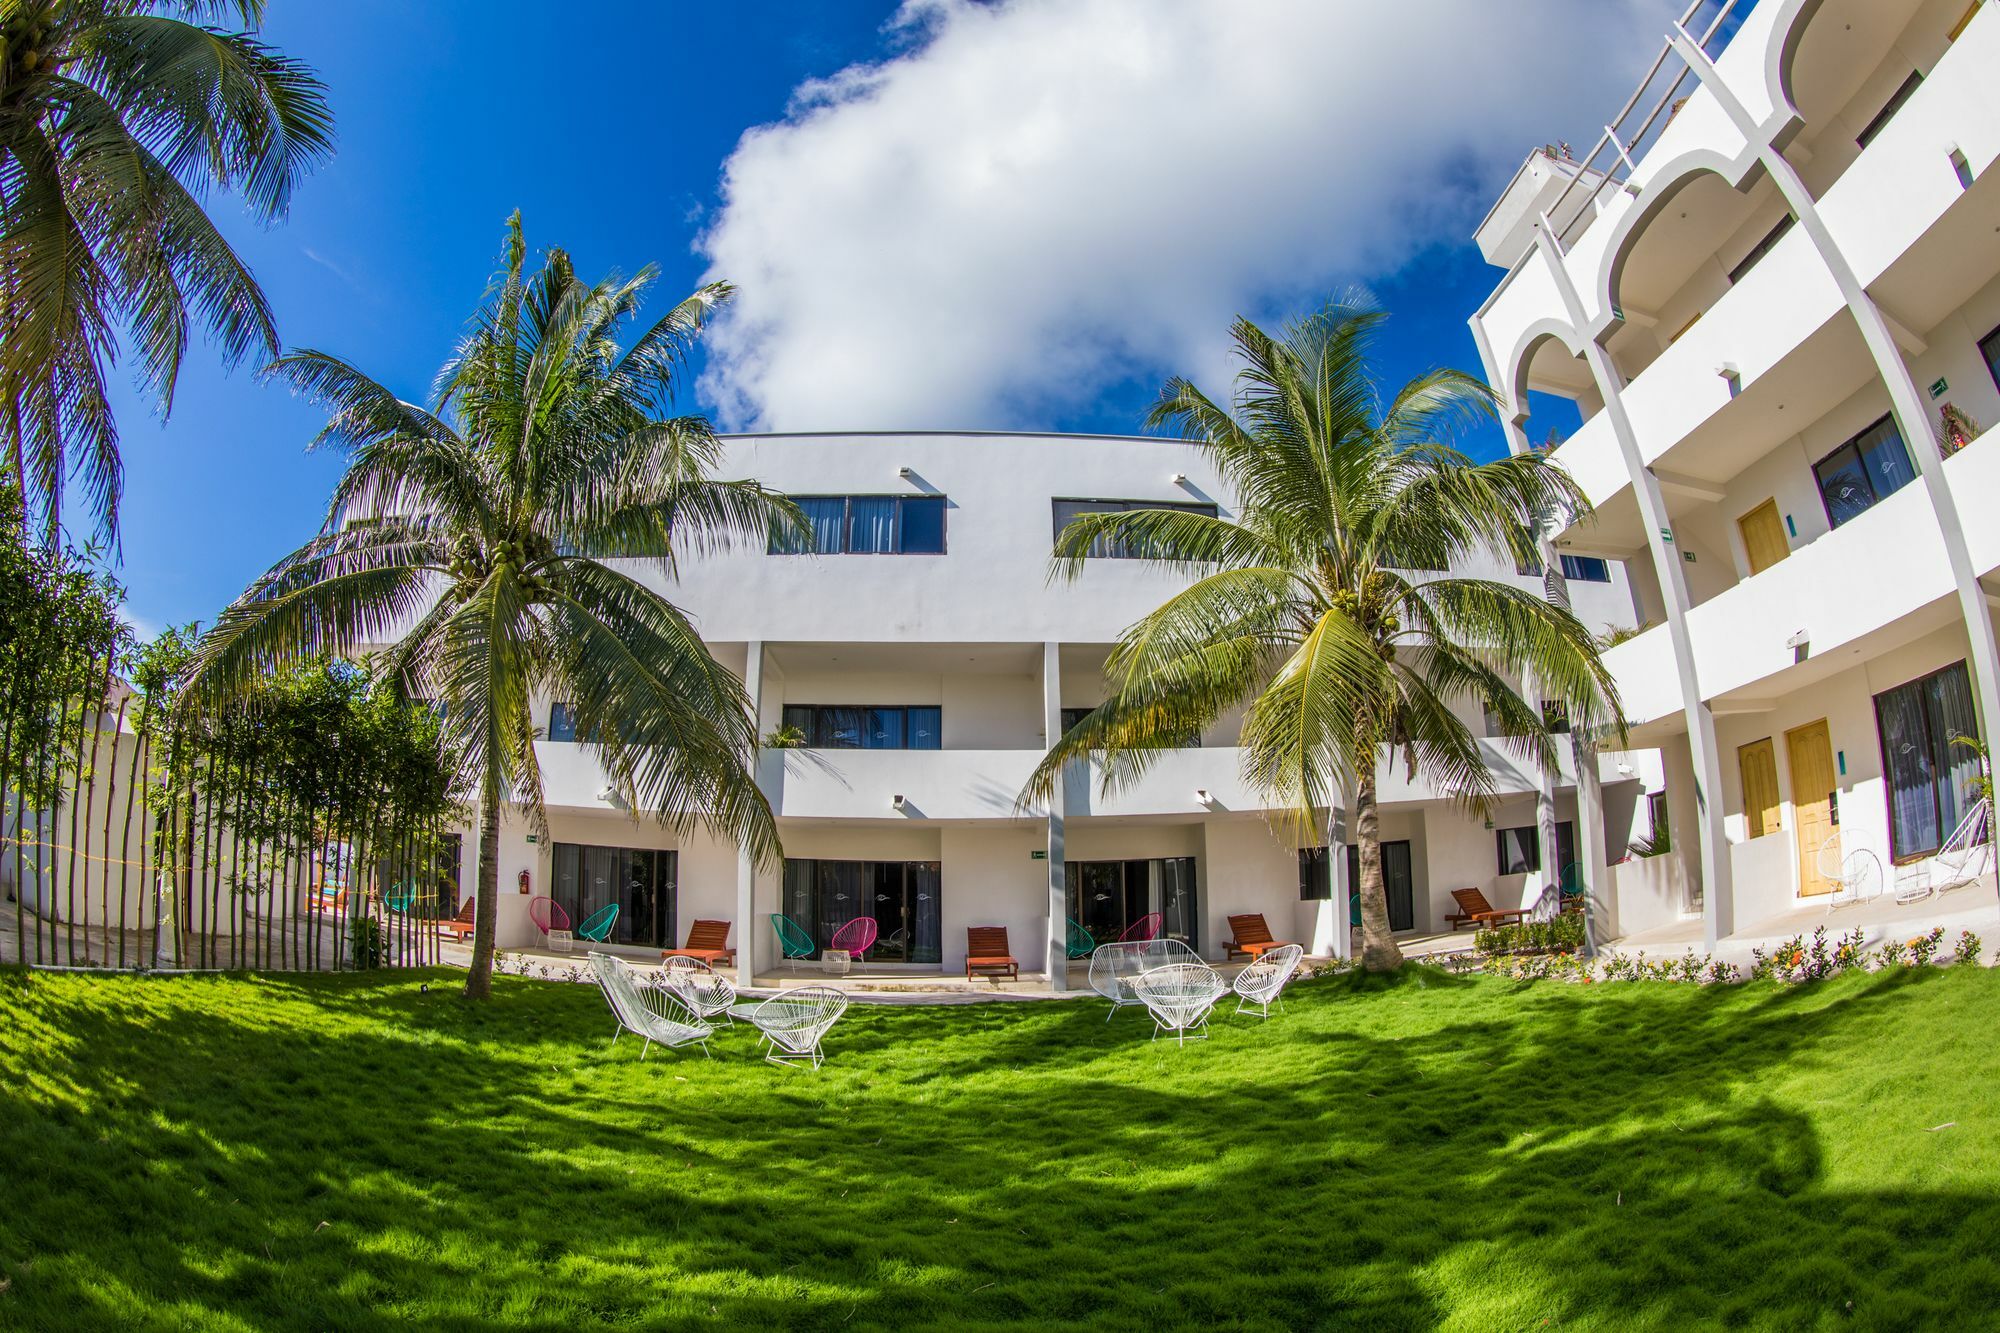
x=1252, y=936
x=986, y=953
x=1474, y=910
x=707, y=941
x=460, y=925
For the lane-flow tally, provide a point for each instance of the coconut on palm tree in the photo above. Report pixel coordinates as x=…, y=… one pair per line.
x=477, y=537
x=1310, y=608
x=115, y=117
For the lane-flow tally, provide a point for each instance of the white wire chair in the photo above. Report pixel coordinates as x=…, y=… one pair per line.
x=792, y=1023
x=1857, y=876
x=648, y=1012
x=1180, y=997
x=707, y=993
x=1264, y=980
x=1967, y=855
x=1115, y=966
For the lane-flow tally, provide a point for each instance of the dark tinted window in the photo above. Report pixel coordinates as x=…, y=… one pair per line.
x=1863, y=472
x=1933, y=779
x=1888, y=112
x=868, y=525
x=868, y=726
x=1065, y=510
x=1759, y=250
x=1585, y=569
x=1989, y=347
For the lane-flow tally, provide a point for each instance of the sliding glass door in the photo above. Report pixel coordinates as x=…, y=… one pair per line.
x=1397, y=884
x=1107, y=897
x=640, y=880
x=903, y=896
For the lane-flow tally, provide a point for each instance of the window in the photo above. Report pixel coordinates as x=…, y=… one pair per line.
x=1758, y=763
x=1860, y=474
x=1520, y=848
x=1759, y=250
x=639, y=880
x=1659, y=832
x=1397, y=885
x=1585, y=569
x=1072, y=716
x=904, y=897
x=868, y=525
x=867, y=726
x=1110, y=549
x=1107, y=898
x=562, y=722
x=1315, y=875
x=1895, y=104
x=1932, y=781
x=1989, y=347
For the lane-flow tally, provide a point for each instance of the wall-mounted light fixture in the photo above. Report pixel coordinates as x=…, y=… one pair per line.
x=1178, y=478
x=896, y=802
x=903, y=472
x=1203, y=796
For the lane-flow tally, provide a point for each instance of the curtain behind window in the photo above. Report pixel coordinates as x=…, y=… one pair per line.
x=872, y=524
x=926, y=908
x=828, y=516
x=1949, y=697
x=1907, y=759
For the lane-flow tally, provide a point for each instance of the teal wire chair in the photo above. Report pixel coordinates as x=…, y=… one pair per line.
x=402, y=897
x=1079, y=943
x=794, y=941
x=1571, y=884
x=597, y=926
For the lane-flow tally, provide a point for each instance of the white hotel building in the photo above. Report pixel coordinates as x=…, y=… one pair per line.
x=1763, y=291
x=928, y=656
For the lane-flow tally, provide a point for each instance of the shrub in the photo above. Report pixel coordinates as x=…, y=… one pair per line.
x=1560, y=934
x=1892, y=952
x=364, y=942
x=1968, y=947
x=1925, y=947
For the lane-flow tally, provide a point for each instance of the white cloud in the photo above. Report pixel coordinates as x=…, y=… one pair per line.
x=1036, y=198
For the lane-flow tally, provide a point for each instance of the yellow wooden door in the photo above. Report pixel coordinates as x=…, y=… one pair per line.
x=1759, y=764
x=1764, y=538
x=1810, y=753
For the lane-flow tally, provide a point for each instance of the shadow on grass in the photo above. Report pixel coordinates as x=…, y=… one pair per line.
x=345, y=1152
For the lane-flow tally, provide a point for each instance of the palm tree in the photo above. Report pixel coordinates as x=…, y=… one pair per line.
x=1310, y=607
x=474, y=537
x=115, y=117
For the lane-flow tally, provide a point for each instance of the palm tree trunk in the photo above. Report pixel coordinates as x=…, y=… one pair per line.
x=1378, y=951
x=479, y=981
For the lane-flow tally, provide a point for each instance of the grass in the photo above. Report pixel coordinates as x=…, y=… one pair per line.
x=350, y=1152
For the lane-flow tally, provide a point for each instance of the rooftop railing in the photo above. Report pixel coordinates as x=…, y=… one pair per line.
x=1645, y=115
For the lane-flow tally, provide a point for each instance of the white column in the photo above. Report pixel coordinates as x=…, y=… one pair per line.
x=1336, y=874
x=747, y=932
x=1057, y=953
x=1718, y=896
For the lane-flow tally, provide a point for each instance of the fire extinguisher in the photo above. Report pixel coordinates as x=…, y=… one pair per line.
x=525, y=879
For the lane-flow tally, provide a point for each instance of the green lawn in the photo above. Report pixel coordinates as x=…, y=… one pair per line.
x=346, y=1152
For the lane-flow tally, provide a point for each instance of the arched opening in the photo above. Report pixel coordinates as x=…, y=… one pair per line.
x=1553, y=391
x=1695, y=238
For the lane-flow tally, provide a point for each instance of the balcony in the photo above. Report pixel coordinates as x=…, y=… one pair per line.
x=1878, y=579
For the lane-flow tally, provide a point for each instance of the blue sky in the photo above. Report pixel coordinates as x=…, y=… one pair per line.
x=614, y=133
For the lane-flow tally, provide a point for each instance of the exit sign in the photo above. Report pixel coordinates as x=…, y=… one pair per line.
x=1038, y=855
x=533, y=838
x=1938, y=387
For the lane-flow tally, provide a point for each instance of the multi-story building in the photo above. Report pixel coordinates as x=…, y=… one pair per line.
x=1773, y=293
x=926, y=656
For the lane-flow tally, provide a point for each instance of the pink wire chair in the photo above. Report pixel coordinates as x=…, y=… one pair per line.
x=1145, y=928
x=856, y=936
x=548, y=915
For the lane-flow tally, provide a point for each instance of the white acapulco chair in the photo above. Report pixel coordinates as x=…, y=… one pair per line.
x=647, y=1012
x=792, y=1023
x=1114, y=967
x=1180, y=997
x=1967, y=855
x=707, y=993
x=1857, y=875
x=1262, y=981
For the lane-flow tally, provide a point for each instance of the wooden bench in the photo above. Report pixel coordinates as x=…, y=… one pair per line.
x=1474, y=910
x=1252, y=936
x=460, y=925
x=986, y=953
x=707, y=941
